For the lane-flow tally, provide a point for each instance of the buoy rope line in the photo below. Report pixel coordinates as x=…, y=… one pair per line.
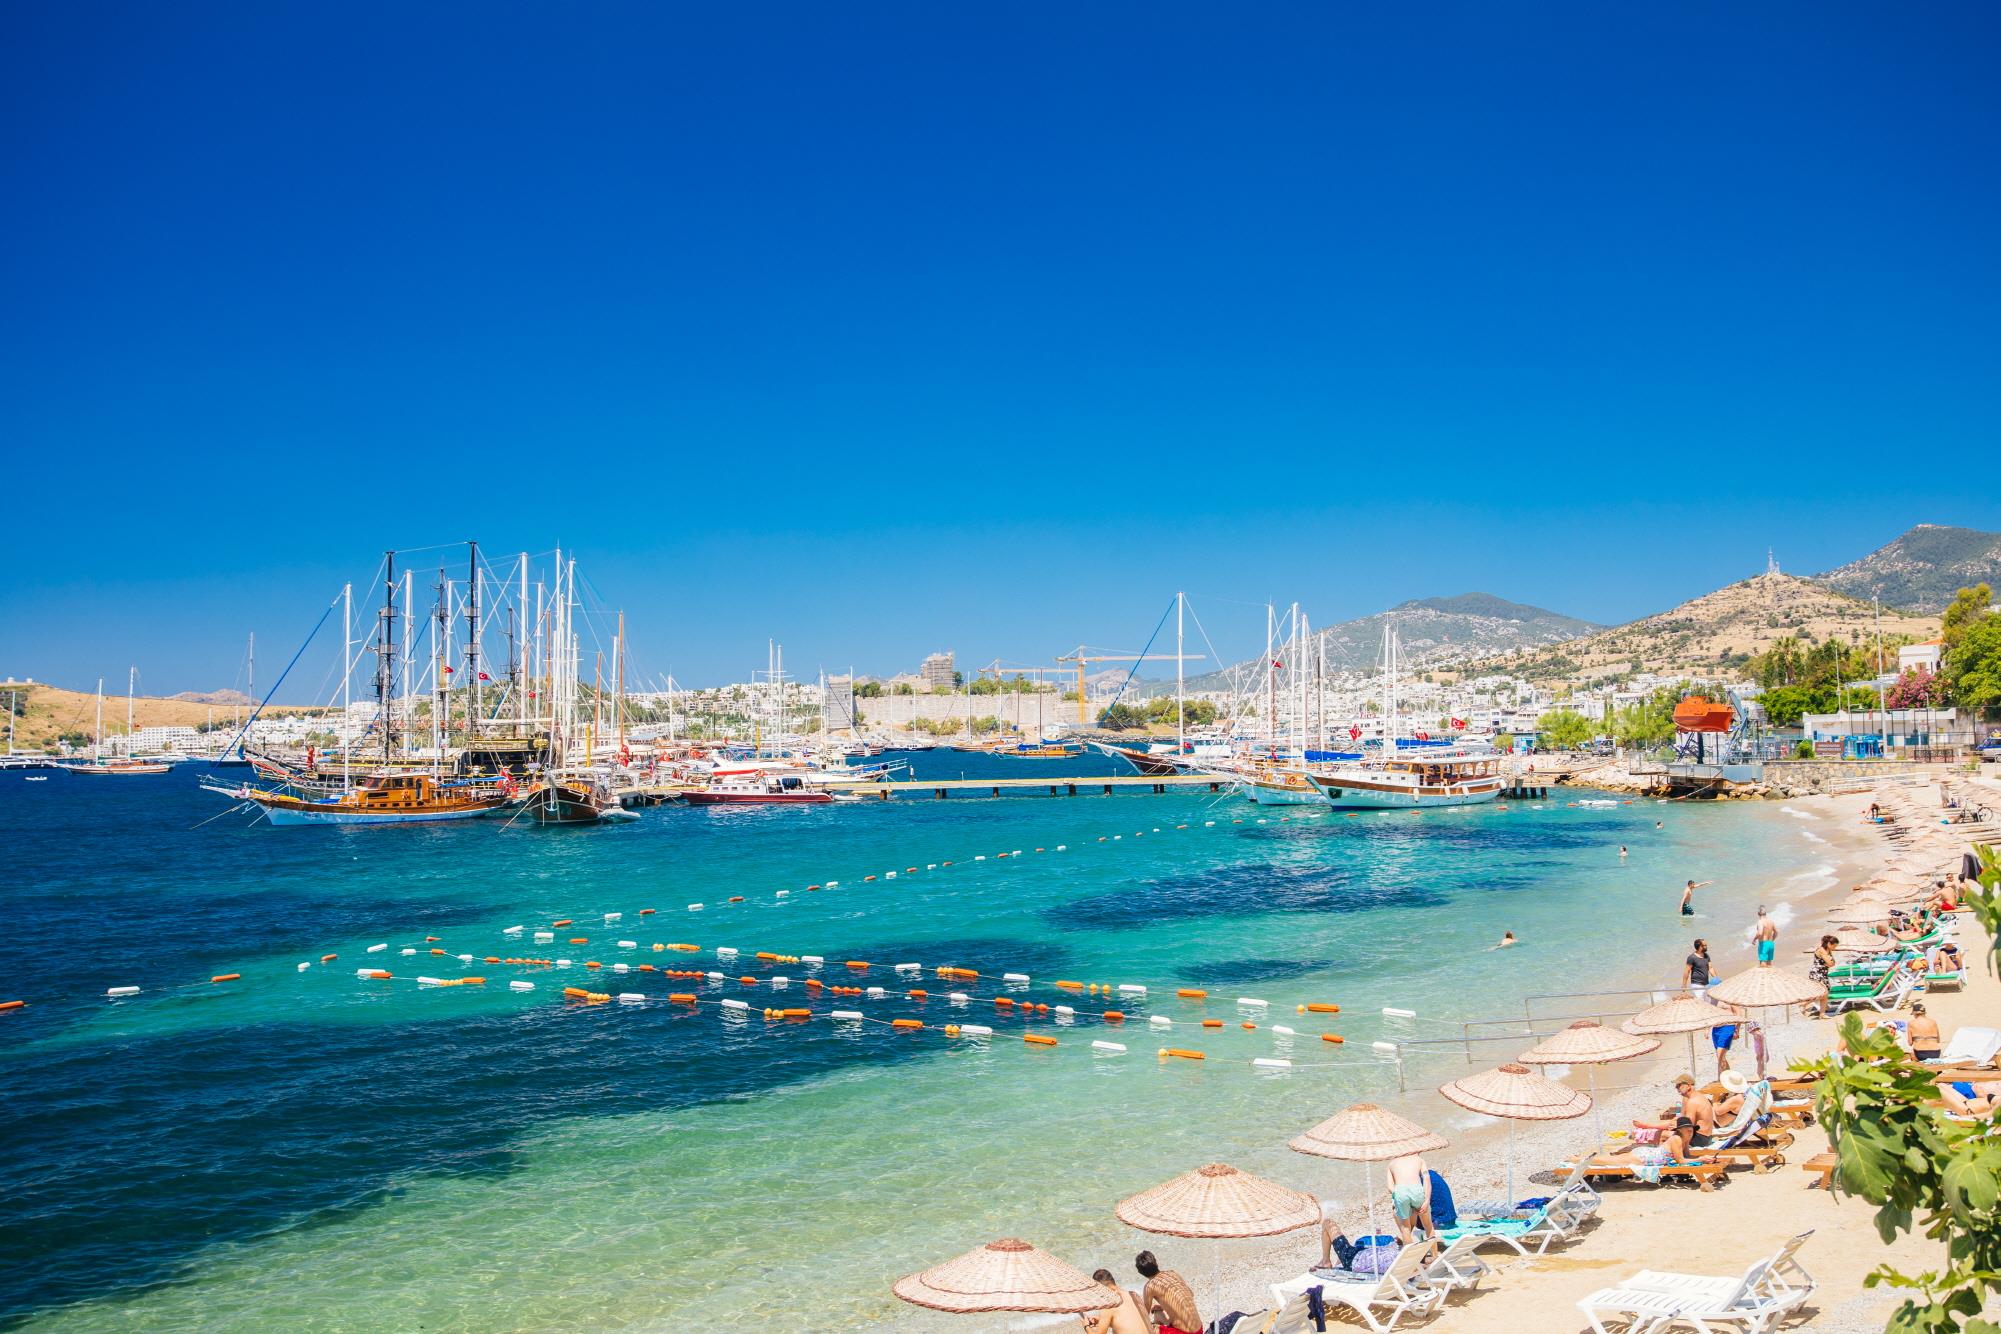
x=1018, y=981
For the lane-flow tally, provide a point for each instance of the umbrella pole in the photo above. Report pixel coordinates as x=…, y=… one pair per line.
x=1511, y=1165
x=1597, y=1121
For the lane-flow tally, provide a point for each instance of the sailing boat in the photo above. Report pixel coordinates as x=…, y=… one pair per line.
x=127, y=767
x=1412, y=775
x=232, y=756
x=1279, y=778
x=383, y=797
x=559, y=797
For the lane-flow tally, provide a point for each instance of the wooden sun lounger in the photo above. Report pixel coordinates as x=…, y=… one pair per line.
x=1822, y=1165
x=1704, y=1175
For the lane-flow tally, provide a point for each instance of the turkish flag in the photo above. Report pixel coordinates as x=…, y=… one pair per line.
x=450, y=670
x=484, y=677
x=1458, y=722
x=1354, y=734
x=1424, y=736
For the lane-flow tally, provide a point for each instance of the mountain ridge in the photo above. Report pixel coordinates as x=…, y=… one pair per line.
x=1921, y=569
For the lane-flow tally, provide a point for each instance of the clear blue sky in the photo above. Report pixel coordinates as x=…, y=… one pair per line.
x=882, y=328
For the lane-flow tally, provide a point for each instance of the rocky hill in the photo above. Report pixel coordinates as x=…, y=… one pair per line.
x=46, y=712
x=1433, y=632
x=229, y=698
x=1711, y=634
x=1921, y=570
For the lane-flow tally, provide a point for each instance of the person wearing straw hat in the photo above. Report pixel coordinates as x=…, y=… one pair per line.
x=1169, y=1301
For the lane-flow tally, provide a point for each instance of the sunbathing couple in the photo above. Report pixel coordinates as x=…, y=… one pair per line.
x=1683, y=1132
x=1166, y=1305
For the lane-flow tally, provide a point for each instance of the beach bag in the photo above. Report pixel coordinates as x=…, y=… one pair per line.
x=1375, y=1259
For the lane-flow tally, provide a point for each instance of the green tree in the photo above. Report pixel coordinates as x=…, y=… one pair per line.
x=1896, y=1148
x=905, y=688
x=1505, y=743
x=1564, y=729
x=74, y=740
x=1121, y=718
x=1968, y=606
x=985, y=685
x=1650, y=722
x=866, y=690
x=1973, y=666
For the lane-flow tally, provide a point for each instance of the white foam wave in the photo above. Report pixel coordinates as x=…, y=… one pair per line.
x=1811, y=837
x=1799, y=814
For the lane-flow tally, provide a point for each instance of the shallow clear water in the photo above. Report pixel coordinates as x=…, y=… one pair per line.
x=314, y=1149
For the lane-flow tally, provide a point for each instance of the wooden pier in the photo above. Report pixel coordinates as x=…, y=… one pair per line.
x=940, y=788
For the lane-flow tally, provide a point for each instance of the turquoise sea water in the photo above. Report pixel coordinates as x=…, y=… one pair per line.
x=314, y=1150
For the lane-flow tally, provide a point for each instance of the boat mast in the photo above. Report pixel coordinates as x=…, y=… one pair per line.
x=1180, y=704
x=385, y=652
x=437, y=684
x=618, y=671
x=409, y=660
x=346, y=673
x=472, y=642
x=1271, y=685
x=97, y=742
x=517, y=677
x=131, y=686
x=1299, y=636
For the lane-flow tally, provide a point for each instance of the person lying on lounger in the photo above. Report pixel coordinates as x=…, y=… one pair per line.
x=1677, y=1145
x=1967, y=1099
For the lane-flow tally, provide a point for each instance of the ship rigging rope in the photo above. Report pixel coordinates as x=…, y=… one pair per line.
x=1134, y=671
x=237, y=740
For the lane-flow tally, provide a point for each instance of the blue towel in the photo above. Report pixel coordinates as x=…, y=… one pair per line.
x=1443, y=1214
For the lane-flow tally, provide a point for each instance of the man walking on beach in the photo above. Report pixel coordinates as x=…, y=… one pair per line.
x=1767, y=938
x=1169, y=1301
x=1695, y=969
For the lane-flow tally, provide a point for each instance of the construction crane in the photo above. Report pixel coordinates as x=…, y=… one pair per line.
x=1081, y=656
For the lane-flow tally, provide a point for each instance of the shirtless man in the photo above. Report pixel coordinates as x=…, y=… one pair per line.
x=1410, y=1196
x=1168, y=1300
x=1125, y=1318
x=1766, y=937
x=1688, y=896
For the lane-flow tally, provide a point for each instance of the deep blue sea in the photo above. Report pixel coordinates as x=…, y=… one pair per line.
x=309, y=1149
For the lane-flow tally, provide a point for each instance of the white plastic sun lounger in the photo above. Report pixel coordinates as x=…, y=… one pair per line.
x=1652, y=1300
x=1455, y=1269
x=1970, y=1046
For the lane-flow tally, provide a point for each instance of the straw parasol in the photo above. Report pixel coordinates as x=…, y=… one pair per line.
x=1218, y=1202
x=1683, y=1014
x=1005, y=1275
x=1365, y=1134
x=1861, y=910
x=1589, y=1043
x=1758, y=987
x=1516, y=1093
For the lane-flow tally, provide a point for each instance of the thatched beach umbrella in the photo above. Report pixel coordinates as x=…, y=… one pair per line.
x=1589, y=1043
x=1865, y=910
x=1683, y=1014
x=1217, y=1202
x=1516, y=1093
x=1365, y=1134
x=1757, y=987
x=1006, y=1275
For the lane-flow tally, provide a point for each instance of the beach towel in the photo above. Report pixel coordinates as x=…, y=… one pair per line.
x=1443, y=1213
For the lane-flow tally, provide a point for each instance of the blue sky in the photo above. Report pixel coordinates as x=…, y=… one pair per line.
x=893, y=327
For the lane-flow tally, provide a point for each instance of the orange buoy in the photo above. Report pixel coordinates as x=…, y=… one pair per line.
x=906, y=1023
x=329, y=958
x=1212, y=1023
x=858, y=965
x=1182, y=1052
x=796, y=1014
x=428, y=939
x=868, y=877
x=574, y=940
x=647, y=968
x=11, y=1005
x=1005, y=1002
x=1249, y=1025
x=918, y=994
x=1115, y=1016
x=682, y=997
x=736, y=898
x=575, y=991
x=592, y=963
x=1040, y=1008
x=472, y=981
x=767, y=954
x=492, y=959
x=686, y=949
x=1071, y=986
x=748, y=981
x=910, y=870
x=1192, y=993
x=1038, y=1039
x=646, y=912
x=1312, y=1008
x=1332, y=1037
x=563, y=921
x=227, y=977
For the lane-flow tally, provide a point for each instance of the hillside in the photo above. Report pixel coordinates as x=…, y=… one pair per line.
x=1921, y=570
x=1713, y=632
x=47, y=712
x=1432, y=631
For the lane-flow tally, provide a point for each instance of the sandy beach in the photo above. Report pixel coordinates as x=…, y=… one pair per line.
x=1661, y=1227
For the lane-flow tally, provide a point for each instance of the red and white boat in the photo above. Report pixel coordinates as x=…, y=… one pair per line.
x=739, y=790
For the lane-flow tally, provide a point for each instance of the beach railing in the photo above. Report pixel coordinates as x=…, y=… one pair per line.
x=1532, y=1026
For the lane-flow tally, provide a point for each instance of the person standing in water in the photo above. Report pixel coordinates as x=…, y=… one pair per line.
x=1766, y=936
x=1688, y=896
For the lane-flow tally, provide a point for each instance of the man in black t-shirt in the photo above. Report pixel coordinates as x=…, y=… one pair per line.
x=1695, y=972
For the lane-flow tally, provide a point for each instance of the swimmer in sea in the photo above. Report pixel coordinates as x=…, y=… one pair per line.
x=1622, y=849
x=1657, y=824
x=1507, y=939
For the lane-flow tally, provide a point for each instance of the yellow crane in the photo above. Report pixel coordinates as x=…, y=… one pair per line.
x=1081, y=656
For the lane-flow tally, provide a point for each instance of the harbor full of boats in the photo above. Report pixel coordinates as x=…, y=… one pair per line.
x=477, y=704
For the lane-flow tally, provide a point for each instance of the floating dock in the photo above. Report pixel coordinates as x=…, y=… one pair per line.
x=940, y=788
